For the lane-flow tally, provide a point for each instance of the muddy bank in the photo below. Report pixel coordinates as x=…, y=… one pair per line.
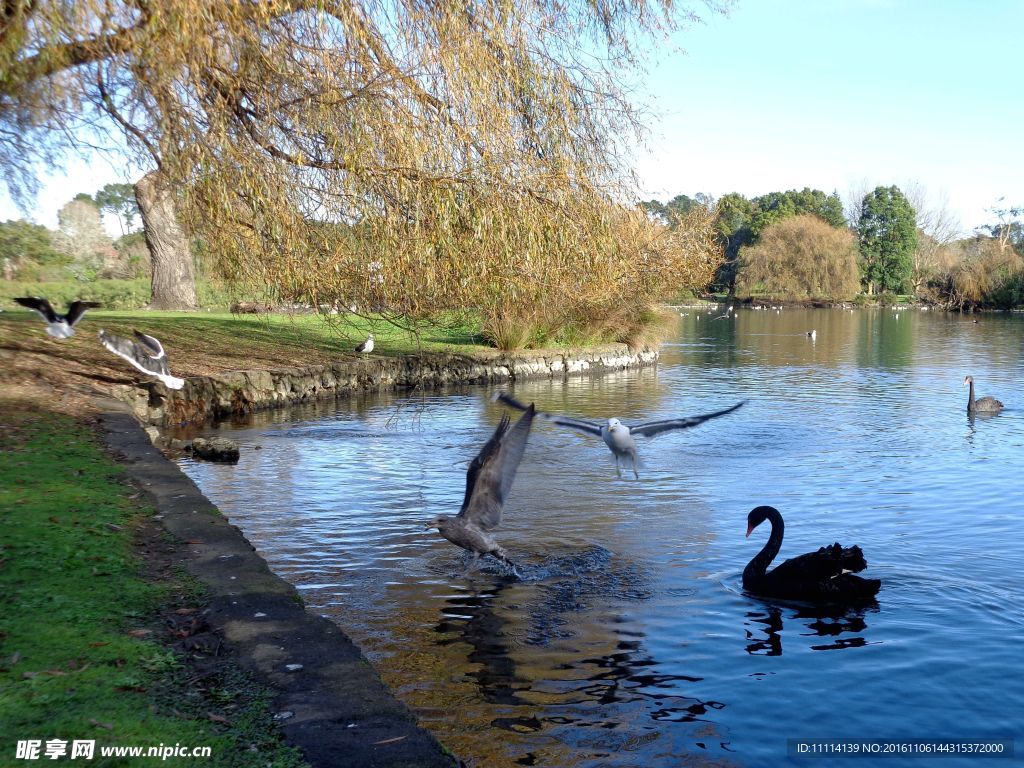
x=330, y=702
x=206, y=398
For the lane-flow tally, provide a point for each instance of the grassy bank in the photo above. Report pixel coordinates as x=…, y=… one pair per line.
x=101, y=637
x=78, y=369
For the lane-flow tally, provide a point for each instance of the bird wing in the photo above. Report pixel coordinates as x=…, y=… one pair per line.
x=77, y=308
x=827, y=563
x=134, y=353
x=150, y=345
x=42, y=306
x=650, y=428
x=565, y=421
x=491, y=473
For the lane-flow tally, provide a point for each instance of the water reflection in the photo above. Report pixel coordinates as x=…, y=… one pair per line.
x=764, y=629
x=471, y=619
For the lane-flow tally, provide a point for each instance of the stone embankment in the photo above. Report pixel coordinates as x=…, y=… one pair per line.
x=224, y=395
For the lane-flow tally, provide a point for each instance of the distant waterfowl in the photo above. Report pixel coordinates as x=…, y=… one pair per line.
x=618, y=436
x=982, y=405
x=812, y=334
x=488, y=481
x=58, y=326
x=825, y=576
x=146, y=353
x=724, y=315
x=366, y=347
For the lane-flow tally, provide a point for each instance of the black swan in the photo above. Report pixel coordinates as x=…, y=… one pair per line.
x=817, y=577
x=982, y=405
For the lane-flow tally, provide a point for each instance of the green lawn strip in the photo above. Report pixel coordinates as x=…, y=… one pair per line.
x=81, y=651
x=337, y=334
x=333, y=336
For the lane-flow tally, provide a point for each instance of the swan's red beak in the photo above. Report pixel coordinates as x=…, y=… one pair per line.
x=750, y=529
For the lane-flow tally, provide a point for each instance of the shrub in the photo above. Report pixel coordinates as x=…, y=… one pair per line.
x=987, y=277
x=801, y=257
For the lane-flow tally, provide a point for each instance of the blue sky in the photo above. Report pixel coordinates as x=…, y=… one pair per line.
x=842, y=95
x=839, y=95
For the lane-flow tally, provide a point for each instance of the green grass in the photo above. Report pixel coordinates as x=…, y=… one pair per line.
x=114, y=294
x=332, y=334
x=79, y=651
x=208, y=343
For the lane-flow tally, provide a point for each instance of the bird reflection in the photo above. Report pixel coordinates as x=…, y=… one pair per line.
x=471, y=619
x=764, y=638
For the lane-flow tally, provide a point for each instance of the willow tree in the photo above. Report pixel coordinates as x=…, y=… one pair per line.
x=403, y=156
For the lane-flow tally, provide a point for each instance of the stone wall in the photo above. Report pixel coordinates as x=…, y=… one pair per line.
x=238, y=392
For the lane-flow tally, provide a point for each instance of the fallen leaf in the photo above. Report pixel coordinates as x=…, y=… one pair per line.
x=389, y=741
x=185, y=611
x=98, y=645
x=218, y=718
x=98, y=724
x=140, y=632
x=15, y=658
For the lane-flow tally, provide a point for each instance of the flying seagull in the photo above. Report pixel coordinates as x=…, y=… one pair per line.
x=58, y=326
x=146, y=353
x=488, y=481
x=618, y=436
x=366, y=347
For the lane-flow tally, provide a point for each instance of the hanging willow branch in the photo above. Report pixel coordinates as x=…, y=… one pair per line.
x=406, y=156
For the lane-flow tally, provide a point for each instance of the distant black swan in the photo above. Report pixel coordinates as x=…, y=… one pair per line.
x=817, y=577
x=983, y=405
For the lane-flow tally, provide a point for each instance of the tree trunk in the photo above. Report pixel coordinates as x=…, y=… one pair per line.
x=174, y=279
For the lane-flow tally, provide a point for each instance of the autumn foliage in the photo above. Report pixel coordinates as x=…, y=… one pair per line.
x=407, y=158
x=801, y=257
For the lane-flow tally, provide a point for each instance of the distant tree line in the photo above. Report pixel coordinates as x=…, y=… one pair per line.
x=80, y=248
x=801, y=245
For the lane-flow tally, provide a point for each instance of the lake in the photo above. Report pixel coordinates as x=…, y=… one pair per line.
x=629, y=640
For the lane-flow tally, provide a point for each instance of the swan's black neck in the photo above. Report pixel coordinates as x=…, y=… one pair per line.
x=759, y=564
x=970, y=396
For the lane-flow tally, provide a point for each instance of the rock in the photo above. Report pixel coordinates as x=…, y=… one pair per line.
x=215, y=449
x=178, y=445
x=154, y=434
x=250, y=308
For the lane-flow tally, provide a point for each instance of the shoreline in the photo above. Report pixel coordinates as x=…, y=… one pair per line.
x=237, y=393
x=329, y=700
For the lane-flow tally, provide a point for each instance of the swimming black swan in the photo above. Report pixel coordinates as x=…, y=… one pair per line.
x=817, y=577
x=983, y=405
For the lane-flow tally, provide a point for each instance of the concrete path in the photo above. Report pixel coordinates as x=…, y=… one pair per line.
x=330, y=701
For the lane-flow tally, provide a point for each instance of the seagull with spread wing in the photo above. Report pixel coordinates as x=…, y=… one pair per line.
x=145, y=353
x=58, y=326
x=618, y=436
x=488, y=481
